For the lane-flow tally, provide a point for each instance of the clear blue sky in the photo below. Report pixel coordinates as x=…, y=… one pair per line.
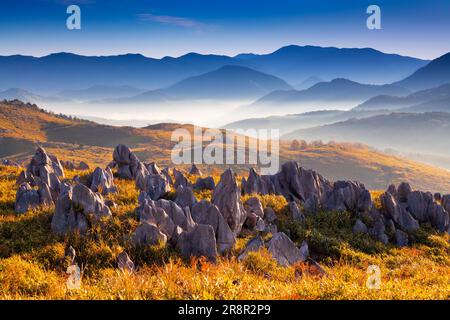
x=157, y=28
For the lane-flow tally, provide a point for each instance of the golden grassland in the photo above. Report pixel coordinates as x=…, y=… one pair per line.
x=32, y=264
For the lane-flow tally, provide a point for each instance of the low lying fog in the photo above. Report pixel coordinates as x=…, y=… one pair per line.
x=203, y=113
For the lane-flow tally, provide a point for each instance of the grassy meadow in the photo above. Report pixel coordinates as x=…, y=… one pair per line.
x=32, y=263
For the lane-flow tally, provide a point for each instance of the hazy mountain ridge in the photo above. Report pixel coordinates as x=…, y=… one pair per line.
x=418, y=98
x=434, y=74
x=406, y=132
x=66, y=71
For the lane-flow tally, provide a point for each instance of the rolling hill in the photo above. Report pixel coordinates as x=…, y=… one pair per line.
x=23, y=126
x=291, y=122
x=420, y=133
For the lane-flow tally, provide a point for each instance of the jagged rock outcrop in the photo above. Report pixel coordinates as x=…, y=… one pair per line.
x=295, y=212
x=195, y=171
x=83, y=166
x=226, y=197
x=409, y=207
x=401, y=238
x=157, y=216
x=156, y=186
x=200, y=241
x=204, y=184
x=204, y=212
x=102, y=181
x=166, y=173
x=44, y=169
x=75, y=206
x=398, y=213
x=253, y=245
x=312, y=204
x=359, y=227
x=254, y=205
x=127, y=162
x=148, y=234
x=269, y=215
x=298, y=184
x=348, y=196
x=403, y=191
x=153, y=168
x=180, y=216
x=378, y=231
x=140, y=176
x=285, y=251
x=26, y=198
x=180, y=179
x=256, y=184
x=185, y=197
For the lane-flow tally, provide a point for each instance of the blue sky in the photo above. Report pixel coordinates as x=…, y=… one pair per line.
x=157, y=28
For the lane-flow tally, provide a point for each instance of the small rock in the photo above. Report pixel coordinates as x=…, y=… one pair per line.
x=284, y=250
x=401, y=238
x=200, y=241
x=360, y=227
x=148, y=234
x=295, y=212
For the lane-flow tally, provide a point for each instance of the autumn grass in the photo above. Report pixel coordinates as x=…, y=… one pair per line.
x=32, y=263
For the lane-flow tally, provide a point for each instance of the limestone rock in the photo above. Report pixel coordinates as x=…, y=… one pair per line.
x=254, y=205
x=73, y=208
x=401, y=238
x=200, y=241
x=360, y=227
x=126, y=161
x=103, y=181
x=185, y=197
x=256, y=184
x=148, y=234
x=26, y=198
x=180, y=179
x=295, y=212
x=205, y=212
x=252, y=246
x=226, y=197
x=284, y=250
x=195, y=171
x=156, y=186
x=204, y=184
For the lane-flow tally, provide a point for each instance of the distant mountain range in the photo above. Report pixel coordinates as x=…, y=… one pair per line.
x=338, y=93
x=434, y=74
x=435, y=99
x=226, y=83
x=58, y=72
x=424, y=133
x=291, y=122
